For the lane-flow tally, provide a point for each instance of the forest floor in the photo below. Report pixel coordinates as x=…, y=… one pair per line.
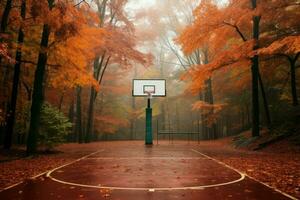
x=15, y=167
x=276, y=165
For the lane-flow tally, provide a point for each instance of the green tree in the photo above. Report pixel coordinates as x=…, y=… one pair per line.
x=54, y=127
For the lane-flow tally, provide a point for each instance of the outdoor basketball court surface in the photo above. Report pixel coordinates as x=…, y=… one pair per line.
x=134, y=171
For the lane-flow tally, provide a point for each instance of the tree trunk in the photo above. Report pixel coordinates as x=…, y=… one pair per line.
x=177, y=118
x=213, y=129
x=4, y=18
x=13, y=103
x=28, y=91
x=248, y=115
x=72, y=134
x=61, y=100
x=203, y=127
x=132, y=120
x=97, y=70
x=5, y=15
x=3, y=26
x=242, y=117
x=255, y=96
x=90, y=120
x=265, y=102
x=89, y=126
x=293, y=80
x=209, y=98
x=78, y=115
x=38, y=89
x=133, y=107
x=255, y=76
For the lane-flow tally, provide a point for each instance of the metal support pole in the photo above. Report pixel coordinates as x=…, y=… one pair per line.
x=148, y=103
x=148, y=136
x=157, y=128
x=198, y=132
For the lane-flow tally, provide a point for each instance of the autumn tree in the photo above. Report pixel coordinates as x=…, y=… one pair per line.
x=119, y=47
x=177, y=15
x=37, y=93
x=288, y=47
x=3, y=26
x=236, y=28
x=16, y=78
x=69, y=55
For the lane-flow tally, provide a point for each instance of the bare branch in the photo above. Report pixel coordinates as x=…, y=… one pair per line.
x=106, y=64
x=82, y=1
x=237, y=29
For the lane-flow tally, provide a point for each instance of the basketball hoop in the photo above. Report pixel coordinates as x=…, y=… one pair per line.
x=150, y=94
x=149, y=88
x=142, y=88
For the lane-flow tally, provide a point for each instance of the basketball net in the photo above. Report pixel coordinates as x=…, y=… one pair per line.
x=149, y=93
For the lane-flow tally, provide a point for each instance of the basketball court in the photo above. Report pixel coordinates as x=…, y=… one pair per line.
x=131, y=170
x=140, y=170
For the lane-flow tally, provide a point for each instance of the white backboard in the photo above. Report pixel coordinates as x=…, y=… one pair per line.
x=141, y=87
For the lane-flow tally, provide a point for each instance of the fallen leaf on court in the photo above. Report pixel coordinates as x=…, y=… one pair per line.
x=270, y=166
x=247, y=191
x=127, y=170
x=24, y=168
x=105, y=190
x=106, y=195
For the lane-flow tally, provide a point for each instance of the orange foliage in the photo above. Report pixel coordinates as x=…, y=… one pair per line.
x=74, y=57
x=289, y=45
x=205, y=107
x=120, y=45
x=4, y=52
x=211, y=111
x=227, y=31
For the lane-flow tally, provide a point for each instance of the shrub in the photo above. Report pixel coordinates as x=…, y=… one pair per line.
x=54, y=127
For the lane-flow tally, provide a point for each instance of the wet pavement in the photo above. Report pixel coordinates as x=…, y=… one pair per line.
x=129, y=172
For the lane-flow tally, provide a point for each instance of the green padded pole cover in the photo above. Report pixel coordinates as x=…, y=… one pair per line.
x=148, y=137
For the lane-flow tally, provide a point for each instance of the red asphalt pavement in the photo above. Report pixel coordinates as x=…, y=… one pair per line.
x=129, y=171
